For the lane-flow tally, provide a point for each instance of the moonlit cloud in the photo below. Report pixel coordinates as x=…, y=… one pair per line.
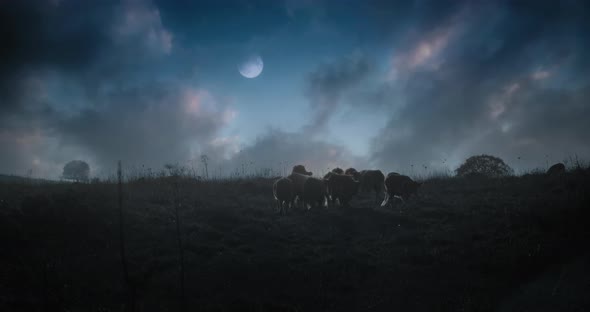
x=499, y=102
x=540, y=74
x=279, y=149
x=328, y=84
x=147, y=126
x=224, y=147
x=482, y=98
x=142, y=20
x=424, y=53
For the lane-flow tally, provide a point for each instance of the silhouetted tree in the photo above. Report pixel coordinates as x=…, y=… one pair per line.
x=76, y=170
x=484, y=165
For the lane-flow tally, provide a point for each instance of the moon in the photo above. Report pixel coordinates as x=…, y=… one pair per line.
x=251, y=67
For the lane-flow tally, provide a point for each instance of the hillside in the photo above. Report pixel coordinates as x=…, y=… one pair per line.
x=7, y=179
x=511, y=244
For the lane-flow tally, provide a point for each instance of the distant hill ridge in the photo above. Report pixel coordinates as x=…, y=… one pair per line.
x=6, y=178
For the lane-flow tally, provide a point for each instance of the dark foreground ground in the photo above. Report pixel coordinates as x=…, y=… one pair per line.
x=514, y=244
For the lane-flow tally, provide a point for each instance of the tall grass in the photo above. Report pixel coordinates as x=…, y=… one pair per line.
x=209, y=171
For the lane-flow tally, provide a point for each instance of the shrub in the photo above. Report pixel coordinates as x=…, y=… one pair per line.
x=76, y=170
x=484, y=165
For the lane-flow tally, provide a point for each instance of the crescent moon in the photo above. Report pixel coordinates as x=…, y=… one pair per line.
x=251, y=67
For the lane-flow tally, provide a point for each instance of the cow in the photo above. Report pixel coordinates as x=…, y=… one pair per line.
x=372, y=180
x=314, y=192
x=557, y=169
x=283, y=193
x=401, y=186
x=298, y=183
x=301, y=170
x=338, y=170
x=341, y=187
x=354, y=173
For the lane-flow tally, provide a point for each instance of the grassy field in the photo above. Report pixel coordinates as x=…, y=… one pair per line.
x=510, y=244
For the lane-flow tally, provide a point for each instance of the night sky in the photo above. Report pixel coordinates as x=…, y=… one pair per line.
x=394, y=85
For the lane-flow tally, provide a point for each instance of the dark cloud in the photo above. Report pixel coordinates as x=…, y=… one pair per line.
x=328, y=84
x=97, y=44
x=494, y=85
x=230, y=20
x=39, y=35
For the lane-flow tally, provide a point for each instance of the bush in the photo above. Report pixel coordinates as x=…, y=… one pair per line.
x=76, y=170
x=484, y=165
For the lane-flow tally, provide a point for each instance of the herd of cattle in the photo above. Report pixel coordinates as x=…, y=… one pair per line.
x=339, y=186
x=342, y=185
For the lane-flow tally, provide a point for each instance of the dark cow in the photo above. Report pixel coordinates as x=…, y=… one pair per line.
x=284, y=194
x=557, y=169
x=298, y=183
x=314, y=192
x=401, y=186
x=338, y=170
x=301, y=170
x=373, y=181
x=341, y=187
x=352, y=172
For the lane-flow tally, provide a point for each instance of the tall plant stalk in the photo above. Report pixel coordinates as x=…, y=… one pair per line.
x=179, y=242
x=130, y=305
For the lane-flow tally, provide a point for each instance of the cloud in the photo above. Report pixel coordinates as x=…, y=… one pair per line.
x=35, y=38
x=34, y=151
x=224, y=147
x=151, y=125
x=497, y=103
x=95, y=44
x=87, y=90
x=103, y=81
x=328, y=84
x=488, y=95
x=280, y=150
x=540, y=74
x=140, y=19
x=425, y=52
